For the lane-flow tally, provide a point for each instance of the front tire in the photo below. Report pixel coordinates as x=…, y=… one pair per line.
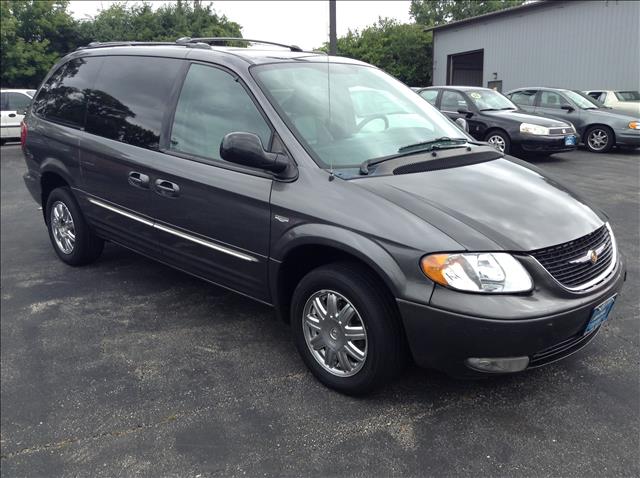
x=499, y=140
x=70, y=235
x=599, y=139
x=345, y=327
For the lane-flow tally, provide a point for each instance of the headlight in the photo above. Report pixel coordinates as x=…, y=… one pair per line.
x=495, y=272
x=533, y=129
x=634, y=125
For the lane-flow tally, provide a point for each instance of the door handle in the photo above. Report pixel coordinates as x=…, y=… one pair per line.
x=167, y=188
x=139, y=180
x=12, y=115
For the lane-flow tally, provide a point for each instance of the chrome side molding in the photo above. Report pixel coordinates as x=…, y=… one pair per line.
x=175, y=232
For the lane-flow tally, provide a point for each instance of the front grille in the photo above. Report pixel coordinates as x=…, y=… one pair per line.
x=557, y=260
x=564, y=130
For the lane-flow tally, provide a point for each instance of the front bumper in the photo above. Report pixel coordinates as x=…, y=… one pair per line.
x=546, y=144
x=444, y=338
x=628, y=137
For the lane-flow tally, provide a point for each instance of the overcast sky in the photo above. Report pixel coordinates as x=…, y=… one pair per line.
x=303, y=23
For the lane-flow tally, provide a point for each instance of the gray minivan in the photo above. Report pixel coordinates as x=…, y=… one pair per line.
x=379, y=233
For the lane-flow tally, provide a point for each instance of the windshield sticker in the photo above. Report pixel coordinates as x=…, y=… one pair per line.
x=475, y=96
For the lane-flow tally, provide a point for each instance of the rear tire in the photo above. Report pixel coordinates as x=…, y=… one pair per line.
x=69, y=233
x=599, y=139
x=499, y=140
x=351, y=352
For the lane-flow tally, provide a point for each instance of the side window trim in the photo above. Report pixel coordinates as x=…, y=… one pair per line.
x=536, y=100
x=170, y=116
x=438, y=99
x=170, y=112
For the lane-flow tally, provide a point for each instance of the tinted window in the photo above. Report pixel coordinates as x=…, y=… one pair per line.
x=4, y=101
x=128, y=100
x=18, y=101
x=430, y=96
x=452, y=101
x=524, y=97
x=211, y=104
x=63, y=98
x=551, y=99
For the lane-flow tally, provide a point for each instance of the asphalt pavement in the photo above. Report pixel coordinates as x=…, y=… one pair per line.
x=127, y=367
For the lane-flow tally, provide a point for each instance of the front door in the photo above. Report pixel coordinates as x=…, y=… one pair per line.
x=213, y=218
x=553, y=104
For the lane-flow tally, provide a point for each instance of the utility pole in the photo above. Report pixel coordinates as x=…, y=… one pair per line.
x=333, y=41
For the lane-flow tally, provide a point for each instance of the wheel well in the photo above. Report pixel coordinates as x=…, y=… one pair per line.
x=599, y=125
x=48, y=182
x=302, y=260
x=493, y=130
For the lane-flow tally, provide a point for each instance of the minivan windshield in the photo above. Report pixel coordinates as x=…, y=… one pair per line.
x=346, y=114
x=490, y=100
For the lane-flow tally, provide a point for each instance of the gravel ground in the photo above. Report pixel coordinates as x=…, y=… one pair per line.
x=128, y=367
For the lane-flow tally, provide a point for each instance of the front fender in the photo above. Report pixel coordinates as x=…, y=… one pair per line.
x=390, y=267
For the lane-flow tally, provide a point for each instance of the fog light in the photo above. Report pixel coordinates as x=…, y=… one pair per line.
x=498, y=365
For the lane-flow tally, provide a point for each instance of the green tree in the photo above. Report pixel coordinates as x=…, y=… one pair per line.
x=436, y=12
x=139, y=22
x=402, y=50
x=34, y=34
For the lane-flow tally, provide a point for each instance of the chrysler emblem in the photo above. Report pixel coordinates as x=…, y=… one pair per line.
x=592, y=256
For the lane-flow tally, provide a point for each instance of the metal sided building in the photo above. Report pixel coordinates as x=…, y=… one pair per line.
x=566, y=44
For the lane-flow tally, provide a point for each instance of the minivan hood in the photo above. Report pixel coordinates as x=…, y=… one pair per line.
x=500, y=204
x=523, y=117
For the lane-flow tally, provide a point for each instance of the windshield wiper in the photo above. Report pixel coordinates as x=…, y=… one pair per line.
x=416, y=148
x=432, y=144
x=508, y=108
x=488, y=109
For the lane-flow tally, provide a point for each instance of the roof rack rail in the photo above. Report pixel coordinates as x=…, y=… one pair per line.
x=107, y=44
x=209, y=40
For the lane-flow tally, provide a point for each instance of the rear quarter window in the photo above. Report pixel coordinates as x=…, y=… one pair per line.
x=130, y=97
x=63, y=98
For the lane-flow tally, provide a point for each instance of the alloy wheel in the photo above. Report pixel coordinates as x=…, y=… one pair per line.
x=497, y=142
x=598, y=139
x=62, y=227
x=335, y=333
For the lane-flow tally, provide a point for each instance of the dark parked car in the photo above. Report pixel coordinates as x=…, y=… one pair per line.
x=600, y=128
x=493, y=118
x=371, y=233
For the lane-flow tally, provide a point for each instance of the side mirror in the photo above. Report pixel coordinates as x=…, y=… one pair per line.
x=21, y=111
x=246, y=149
x=465, y=112
x=462, y=124
x=568, y=108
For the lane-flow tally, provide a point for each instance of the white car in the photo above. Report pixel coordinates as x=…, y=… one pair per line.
x=12, y=101
x=626, y=101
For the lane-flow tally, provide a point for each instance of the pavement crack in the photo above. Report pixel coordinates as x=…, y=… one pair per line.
x=70, y=441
